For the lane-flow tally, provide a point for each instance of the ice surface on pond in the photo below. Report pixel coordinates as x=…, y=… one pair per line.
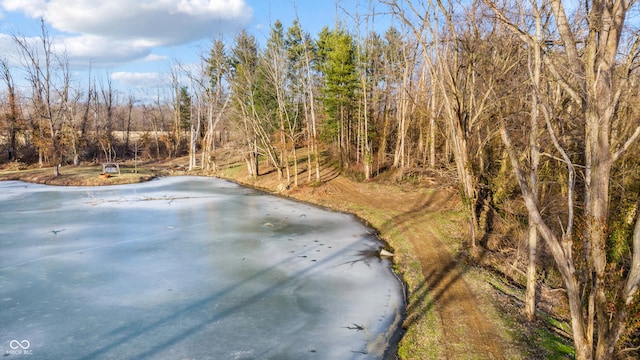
x=191, y=267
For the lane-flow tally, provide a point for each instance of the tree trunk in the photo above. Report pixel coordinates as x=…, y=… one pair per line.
x=463, y=167
x=432, y=132
x=534, y=155
x=192, y=149
x=312, y=112
x=256, y=159
x=530, y=294
x=295, y=164
x=128, y=127
x=384, y=140
x=366, y=149
x=561, y=251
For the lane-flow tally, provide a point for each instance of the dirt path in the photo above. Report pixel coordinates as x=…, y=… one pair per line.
x=467, y=331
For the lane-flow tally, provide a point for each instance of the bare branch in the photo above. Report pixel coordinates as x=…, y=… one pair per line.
x=567, y=36
x=632, y=139
x=568, y=233
x=563, y=259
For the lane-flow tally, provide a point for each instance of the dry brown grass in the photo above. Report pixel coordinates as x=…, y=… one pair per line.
x=86, y=175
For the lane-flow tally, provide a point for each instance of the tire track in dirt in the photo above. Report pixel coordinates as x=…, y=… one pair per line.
x=466, y=329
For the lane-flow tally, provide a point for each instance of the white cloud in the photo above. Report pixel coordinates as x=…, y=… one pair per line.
x=88, y=47
x=138, y=79
x=32, y=8
x=122, y=30
x=80, y=51
x=166, y=22
x=6, y=43
x=8, y=49
x=155, y=57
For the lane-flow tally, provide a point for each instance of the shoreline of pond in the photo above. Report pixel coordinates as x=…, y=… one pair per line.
x=407, y=219
x=395, y=332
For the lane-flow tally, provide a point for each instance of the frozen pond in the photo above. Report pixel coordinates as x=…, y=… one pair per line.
x=187, y=268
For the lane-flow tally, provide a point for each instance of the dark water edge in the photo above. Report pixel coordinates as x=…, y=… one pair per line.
x=391, y=353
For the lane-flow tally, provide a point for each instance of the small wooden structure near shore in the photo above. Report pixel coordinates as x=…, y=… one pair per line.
x=111, y=168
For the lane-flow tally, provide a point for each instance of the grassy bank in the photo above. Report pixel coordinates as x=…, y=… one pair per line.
x=86, y=175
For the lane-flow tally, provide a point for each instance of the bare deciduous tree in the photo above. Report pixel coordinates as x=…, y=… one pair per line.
x=450, y=56
x=593, y=68
x=37, y=59
x=11, y=116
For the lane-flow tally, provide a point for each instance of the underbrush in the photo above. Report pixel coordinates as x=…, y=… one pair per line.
x=547, y=337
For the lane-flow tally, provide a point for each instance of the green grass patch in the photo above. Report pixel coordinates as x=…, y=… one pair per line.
x=423, y=339
x=558, y=324
x=233, y=171
x=556, y=347
x=544, y=337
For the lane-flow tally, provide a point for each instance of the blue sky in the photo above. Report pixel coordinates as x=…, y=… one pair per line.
x=137, y=41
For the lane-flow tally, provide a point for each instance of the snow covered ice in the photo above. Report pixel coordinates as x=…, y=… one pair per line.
x=187, y=267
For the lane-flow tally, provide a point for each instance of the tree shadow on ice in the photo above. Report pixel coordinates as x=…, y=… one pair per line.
x=128, y=337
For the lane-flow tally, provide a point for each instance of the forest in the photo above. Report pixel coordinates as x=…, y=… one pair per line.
x=531, y=106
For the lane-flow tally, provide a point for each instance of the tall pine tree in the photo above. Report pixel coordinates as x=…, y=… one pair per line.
x=337, y=62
